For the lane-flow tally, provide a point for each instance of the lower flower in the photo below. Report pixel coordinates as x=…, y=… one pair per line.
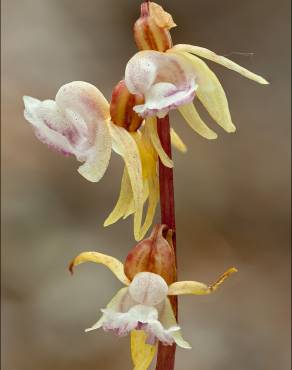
x=142, y=309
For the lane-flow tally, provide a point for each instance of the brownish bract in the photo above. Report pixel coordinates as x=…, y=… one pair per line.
x=154, y=254
x=121, y=108
x=151, y=31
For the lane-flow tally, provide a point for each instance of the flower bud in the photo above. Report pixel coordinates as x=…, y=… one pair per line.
x=121, y=108
x=154, y=254
x=151, y=30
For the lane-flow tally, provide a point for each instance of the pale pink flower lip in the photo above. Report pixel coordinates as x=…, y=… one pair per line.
x=142, y=306
x=75, y=123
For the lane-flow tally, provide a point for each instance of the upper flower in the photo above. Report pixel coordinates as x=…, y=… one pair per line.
x=143, y=308
x=170, y=77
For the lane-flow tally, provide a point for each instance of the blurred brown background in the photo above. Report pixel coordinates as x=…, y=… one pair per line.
x=232, y=195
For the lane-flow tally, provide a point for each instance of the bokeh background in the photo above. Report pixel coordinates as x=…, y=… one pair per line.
x=232, y=195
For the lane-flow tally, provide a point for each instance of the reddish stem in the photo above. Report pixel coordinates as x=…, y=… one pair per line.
x=166, y=354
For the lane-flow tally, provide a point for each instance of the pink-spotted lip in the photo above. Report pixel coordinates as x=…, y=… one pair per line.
x=139, y=317
x=149, y=109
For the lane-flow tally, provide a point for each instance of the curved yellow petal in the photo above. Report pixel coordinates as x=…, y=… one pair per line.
x=96, y=165
x=131, y=209
x=188, y=287
x=149, y=160
x=151, y=127
x=114, y=304
x=190, y=114
x=177, y=142
x=210, y=55
x=153, y=185
x=125, y=145
x=112, y=263
x=125, y=198
x=168, y=320
x=197, y=288
x=142, y=353
x=211, y=93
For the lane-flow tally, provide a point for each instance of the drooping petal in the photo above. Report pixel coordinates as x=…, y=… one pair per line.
x=98, y=156
x=211, y=93
x=210, y=55
x=131, y=208
x=112, y=263
x=166, y=80
x=142, y=353
x=151, y=127
x=190, y=114
x=168, y=320
x=177, y=142
x=149, y=160
x=197, y=288
x=125, y=145
x=115, y=305
x=125, y=198
x=153, y=186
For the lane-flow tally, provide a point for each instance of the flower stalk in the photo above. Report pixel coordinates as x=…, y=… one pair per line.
x=166, y=354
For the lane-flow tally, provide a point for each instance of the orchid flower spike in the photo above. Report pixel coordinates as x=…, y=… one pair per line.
x=171, y=77
x=142, y=308
x=82, y=123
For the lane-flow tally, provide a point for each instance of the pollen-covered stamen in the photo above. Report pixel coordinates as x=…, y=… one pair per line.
x=151, y=30
x=121, y=108
x=148, y=289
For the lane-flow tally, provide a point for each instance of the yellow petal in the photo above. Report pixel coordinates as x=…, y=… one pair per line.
x=151, y=127
x=112, y=263
x=197, y=288
x=96, y=165
x=210, y=55
x=177, y=142
x=149, y=160
x=125, y=198
x=142, y=353
x=114, y=304
x=167, y=319
x=153, y=186
x=125, y=145
x=211, y=93
x=131, y=208
x=190, y=114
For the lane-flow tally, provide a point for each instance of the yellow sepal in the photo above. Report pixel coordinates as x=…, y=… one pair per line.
x=225, y=62
x=177, y=142
x=112, y=263
x=142, y=353
x=197, y=288
x=151, y=128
